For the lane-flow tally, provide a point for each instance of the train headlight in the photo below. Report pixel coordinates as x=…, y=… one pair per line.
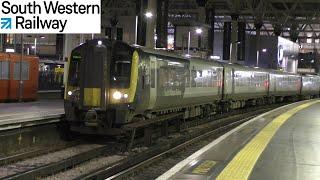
x=117, y=95
x=125, y=96
x=69, y=93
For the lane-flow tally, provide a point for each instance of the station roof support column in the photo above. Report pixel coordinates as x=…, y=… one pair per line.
x=162, y=23
x=70, y=41
x=258, y=24
x=234, y=38
x=151, y=24
x=226, y=40
x=210, y=17
x=241, y=50
x=141, y=9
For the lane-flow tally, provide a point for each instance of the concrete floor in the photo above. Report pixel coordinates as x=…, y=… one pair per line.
x=292, y=153
x=28, y=110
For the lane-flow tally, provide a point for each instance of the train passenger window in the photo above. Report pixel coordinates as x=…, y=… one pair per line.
x=187, y=74
x=25, y=66
x=193, y=78
x=4, y=70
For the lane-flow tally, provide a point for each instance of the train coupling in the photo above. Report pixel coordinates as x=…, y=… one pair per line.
x=91, y=118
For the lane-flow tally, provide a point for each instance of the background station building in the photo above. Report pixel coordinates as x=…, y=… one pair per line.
x=267, y=34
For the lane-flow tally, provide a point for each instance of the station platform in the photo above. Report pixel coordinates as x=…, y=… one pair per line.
x=15, y=115
x=281, y=144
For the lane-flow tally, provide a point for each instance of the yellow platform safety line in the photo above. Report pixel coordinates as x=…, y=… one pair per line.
x=204, y=167
x=240, y=167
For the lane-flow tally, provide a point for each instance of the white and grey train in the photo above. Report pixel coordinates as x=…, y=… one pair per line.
x=111, y=84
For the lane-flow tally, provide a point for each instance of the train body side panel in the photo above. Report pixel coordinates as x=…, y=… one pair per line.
x=244, y=83
x=285, y=84
x=30, y=75
x=310, y=85
x=167, y=82
x=4, y=76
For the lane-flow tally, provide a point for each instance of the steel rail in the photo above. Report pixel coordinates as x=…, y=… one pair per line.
x=131, y=163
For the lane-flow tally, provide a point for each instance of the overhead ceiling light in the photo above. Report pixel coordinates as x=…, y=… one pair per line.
x=309, y=40
x=215, y=57
x=149, y=14
x=264, y=50
x=9, y=50
x=42, y=37
x=199, y=31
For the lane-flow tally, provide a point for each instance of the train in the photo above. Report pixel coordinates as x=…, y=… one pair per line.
x=10, y=77
x=111, y=85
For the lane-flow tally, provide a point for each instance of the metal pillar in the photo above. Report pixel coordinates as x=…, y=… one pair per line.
x=175, y=38
x=162, y=23
x=277, y=29
x=1, y=43
x=151, y=24
x=199, y=41
x=234, y=38
x=258, y=24
x=70, y=42
x=136, y=31
x=59, y=46
x=189, y=42
x=226, y=40
x=35, y=46
x=294, y=32
x=141, y=8
x=20, y=71
x=241, y=41
x=113, y=22
x=210, y=13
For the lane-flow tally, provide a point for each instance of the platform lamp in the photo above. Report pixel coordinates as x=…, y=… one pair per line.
x=199, y=32
x=148, y=15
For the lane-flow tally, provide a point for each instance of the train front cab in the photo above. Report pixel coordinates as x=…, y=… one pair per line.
x=99, y=87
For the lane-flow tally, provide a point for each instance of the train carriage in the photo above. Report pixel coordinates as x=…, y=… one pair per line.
x=173, y=82
x=244, y=85
x=112, y=84
x=10, y=77
x=284, y=85
x=310, y=86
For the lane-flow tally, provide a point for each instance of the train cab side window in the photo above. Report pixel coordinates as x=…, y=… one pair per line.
x=25, y=68
x=74, y=70
x=4, y=70
x=121, y=65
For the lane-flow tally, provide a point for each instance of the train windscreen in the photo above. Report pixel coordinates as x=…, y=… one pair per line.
x=74, y=69
x=121, y=65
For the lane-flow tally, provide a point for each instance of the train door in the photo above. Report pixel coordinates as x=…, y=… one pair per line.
x=153, y=82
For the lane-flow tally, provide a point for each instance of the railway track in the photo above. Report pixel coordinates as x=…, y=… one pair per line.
x=130, y=167
x=99, y=161
x=51, y=163
x=131, y=162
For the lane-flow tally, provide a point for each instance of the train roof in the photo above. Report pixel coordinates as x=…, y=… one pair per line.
x=172, y=54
